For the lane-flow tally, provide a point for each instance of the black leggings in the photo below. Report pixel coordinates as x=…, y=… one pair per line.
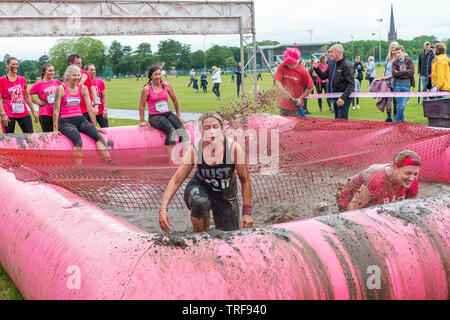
x=46, y=123
x=201, y=202
x=102, y=122
x=216, y=89
x=170, y=125
x=71, y=128
x=323, y=89
x=25, y=123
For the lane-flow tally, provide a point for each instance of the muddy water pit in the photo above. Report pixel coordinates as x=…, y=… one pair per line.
x=264, y=215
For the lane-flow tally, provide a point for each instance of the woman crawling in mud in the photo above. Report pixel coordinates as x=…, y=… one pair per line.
x=214, y=185
x=382, y=183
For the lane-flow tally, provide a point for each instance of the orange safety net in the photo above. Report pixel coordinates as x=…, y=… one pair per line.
x=315, y=157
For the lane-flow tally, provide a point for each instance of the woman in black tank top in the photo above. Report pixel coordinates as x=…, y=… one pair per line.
x=214, y=185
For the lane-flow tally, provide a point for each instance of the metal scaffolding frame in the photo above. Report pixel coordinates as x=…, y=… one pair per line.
x=71, y=18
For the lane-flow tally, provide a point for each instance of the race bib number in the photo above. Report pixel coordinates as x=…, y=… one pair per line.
x=18, y=107
x=73, y=102
x=162, y=106
x=51, y=98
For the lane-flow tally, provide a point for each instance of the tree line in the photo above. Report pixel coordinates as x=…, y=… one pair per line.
x=123, y=60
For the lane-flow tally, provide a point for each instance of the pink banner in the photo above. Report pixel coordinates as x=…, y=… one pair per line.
x=381, y=95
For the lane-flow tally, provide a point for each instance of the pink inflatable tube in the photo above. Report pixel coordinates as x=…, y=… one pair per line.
x=55, y=245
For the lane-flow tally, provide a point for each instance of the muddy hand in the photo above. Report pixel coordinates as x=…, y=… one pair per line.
x=246, y=222
x=164, y=221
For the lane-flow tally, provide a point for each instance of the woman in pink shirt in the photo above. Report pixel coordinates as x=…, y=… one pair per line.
x=45, y=89
x=102, y=98
x=14, y=99
x=156, y=95
x=382, y=183
x=322, y=85
x=68, y=118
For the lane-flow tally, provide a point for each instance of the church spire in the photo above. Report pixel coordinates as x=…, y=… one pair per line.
x=392, y=31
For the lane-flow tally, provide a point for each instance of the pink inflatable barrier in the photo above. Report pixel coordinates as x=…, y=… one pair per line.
x=55, y=245
x=58, y=246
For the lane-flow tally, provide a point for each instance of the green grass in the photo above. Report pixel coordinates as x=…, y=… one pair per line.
x=7, y=289
x=125, y=94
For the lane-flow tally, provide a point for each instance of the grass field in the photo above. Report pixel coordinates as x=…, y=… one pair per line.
x=125, y=94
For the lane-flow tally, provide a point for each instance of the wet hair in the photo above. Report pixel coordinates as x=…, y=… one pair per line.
x=208, y=115
x=72, y=57
x=70, y=69
x=44, y=69
x=11, y=59
x=441, y=48
x=405, y=154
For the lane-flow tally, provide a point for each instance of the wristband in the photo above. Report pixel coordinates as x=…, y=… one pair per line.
x=246, y=210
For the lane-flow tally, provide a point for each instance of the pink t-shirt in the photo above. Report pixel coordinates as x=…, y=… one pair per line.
x=88, y=83
x=46, y=92
x=71, y=104
x=14, y=97
x=158, y=103
x=381, y=189
x=99, y=86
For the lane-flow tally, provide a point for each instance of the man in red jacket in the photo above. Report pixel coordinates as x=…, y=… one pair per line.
x=290, y=80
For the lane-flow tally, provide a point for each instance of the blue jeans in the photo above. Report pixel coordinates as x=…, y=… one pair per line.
x=424, y=80
x=401, y=103
x=341, y=112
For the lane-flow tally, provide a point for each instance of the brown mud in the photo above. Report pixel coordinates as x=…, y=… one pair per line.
x=263, y=214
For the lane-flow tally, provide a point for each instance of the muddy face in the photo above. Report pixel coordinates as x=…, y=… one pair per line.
x=406, y=176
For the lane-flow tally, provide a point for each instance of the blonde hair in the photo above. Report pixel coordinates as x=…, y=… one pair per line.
x=208, y=115
x=405, y=154
x=391, y=56
x=71, y=68
x=440, y=48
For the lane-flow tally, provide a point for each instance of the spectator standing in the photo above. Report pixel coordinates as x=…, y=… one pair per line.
x=422, y=70
x=403, y=70
x=290, y=81
x=371, y=71
x=357, y=89
x=238, y=73
x=341, y=75
x=358, y=66
x=217, y=80
x=45, y=89
x=388, y=76
x=322, y=85
x=191, y=77
x=195, y=85
x=441, y=68
x=14, y=99
x=102, y=99
x=204, y=81
x=302, y=63
x=429, y=60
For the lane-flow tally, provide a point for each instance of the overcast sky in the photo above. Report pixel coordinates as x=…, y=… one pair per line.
x=288, y=21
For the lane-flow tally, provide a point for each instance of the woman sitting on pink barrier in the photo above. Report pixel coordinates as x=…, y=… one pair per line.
x=382, y=183
x=68, y=119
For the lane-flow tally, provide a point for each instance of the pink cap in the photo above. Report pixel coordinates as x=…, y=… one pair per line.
x=292, y=55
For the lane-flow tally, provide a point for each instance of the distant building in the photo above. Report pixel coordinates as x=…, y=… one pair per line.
x=392, y=31
x=308, y=50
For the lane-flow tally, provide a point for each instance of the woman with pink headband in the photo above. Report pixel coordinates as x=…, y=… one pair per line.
x=382, y=183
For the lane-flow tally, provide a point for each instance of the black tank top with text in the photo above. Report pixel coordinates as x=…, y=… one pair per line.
x=220, y=179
